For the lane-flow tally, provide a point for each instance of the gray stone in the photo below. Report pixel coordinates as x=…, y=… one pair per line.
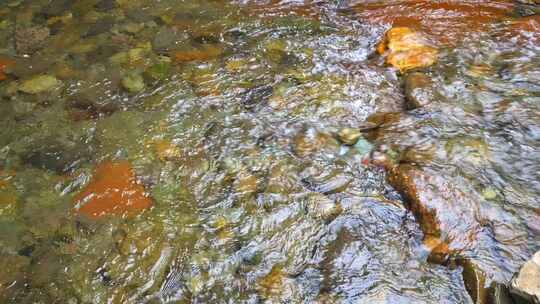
x=526, y=284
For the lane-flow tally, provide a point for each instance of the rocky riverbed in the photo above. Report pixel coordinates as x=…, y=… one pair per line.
x=269, y=151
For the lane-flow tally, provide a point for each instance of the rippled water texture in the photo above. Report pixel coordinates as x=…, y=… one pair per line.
x=266, y=152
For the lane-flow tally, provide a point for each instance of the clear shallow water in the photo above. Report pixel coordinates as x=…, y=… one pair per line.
x=227, y=115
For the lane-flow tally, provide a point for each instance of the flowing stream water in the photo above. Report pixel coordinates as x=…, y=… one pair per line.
x=211, y=151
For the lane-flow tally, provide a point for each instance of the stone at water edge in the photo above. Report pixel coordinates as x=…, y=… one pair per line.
x=407, y=49
x=526, y=284
x=113, y=190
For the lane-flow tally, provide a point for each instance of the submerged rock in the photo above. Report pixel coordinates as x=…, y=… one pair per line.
x=168, y=39
x=327, y=184
x=475, y=282
x=479, y=287
x=105, y=5
x=167, y=150
x=526, y=284
x=39, y=84
x=311, y=141
x=322, y=207
x=460, y=226
x=424, y=202
x=526, y=10
x=272, y=284
x=363, y=147
x=55, y=156
x=4, y=64
x=349, y=136
x=203, y=53
x=113, y=190
x=246, y=183
x=133, y=82
x=407, y=49
x=13, y=267
x=29, y=40
x=160, y=70
x=83, y=107
x=56, y=8
x=418, y=91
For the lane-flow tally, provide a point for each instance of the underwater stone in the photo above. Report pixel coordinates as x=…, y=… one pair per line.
x=133, y=82
x=349, y=136
x=29, y=40
x=39, y=84
x=113, y=190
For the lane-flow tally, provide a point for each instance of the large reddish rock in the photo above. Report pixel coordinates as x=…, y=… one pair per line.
x=443, y=211
x=463, y=228
x=112, y=191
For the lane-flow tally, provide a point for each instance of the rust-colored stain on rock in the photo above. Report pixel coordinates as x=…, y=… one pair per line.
x=113, y=191
x=4, y=63
x=528, y=27
x=443, y=21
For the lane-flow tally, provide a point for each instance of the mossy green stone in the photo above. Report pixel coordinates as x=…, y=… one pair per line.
x=39, y=84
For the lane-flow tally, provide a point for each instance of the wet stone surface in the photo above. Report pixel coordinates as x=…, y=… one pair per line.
x=268, y=151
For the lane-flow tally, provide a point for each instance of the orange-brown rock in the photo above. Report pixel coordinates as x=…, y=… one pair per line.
x=443, y=211
x=113, y=190
x=458, y=223
x=167, y=150
x=439, y=250
x=414, y=58
x=246, y=183
x=4, y=64
x=406, y=49
x=202, y=53
x=272, y=283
